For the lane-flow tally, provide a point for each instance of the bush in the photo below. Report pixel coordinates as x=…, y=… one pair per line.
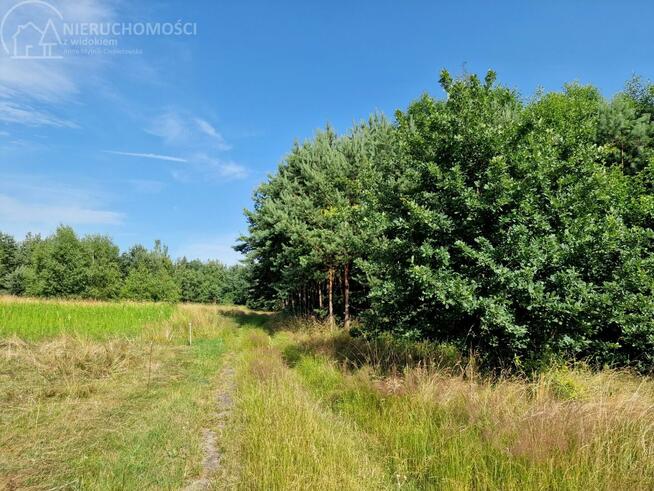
x=514, y=232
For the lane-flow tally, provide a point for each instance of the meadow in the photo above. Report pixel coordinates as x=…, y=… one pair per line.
x=97, y=320
x=265, y=401
x=105, y=396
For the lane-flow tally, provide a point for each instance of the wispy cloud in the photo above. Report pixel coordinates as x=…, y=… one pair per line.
x=33, y=91
x=179, y=129
x=223, y=169
x=200, y=140
x=14, y=211
x=154, y=156
x=208, y=129
x=211, y=169
x=24, y=114
x=170, y=127
x=39, y=204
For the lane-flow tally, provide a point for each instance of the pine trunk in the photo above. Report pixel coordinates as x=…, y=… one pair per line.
x=330, y=294
x=346, y=296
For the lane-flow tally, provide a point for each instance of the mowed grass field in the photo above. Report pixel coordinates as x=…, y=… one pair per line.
x=113, y=396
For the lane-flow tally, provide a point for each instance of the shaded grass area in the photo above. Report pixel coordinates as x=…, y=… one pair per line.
x=33, y=320
x=80, y=412
x=420, y=419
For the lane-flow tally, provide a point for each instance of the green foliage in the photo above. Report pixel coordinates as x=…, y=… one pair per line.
x=149, y=275
x=211, y=282
x=8, y=261
x=63, y=265
x=103, y=271
x=57, y=266
x=519, y=230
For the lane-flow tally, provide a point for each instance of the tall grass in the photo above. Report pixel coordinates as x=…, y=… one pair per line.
x=88, y=405
x=429, y=425
x=34, y=320
x=282, y=438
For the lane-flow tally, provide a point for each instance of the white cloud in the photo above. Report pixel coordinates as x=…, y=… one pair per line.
x=218, y=169
x=170, y=127
x=28, y=116
x=199, y=138
x=206, y=128
x=154, y=156
x=219, y=247
x=32, y=203
x=36, y=88
x=37, y=80
x=208, y=167
x=231, y=170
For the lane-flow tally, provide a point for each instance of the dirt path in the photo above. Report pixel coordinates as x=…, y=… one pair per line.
x=211, y=437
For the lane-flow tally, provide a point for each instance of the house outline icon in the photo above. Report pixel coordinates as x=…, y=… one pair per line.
x=48, y=37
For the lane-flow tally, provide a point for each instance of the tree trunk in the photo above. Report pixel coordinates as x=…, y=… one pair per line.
x=346, y=296
x=330, y=294
x=303, y=300
x=319, y=287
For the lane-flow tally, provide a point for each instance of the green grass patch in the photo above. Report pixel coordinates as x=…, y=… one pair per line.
x=33, y=320
x=282, y=438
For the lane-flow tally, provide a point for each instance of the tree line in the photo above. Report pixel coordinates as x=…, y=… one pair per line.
x=517, y=229
x=92, y=267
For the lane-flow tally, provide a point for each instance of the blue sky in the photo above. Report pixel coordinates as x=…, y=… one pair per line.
x=169, y=140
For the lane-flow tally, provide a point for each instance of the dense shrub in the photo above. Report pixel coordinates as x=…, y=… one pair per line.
x=520, y=230
x=517, y=233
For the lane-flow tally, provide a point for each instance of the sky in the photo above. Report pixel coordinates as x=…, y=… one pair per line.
x=144, y=131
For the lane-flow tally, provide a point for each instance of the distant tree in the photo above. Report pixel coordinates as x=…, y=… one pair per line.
x=56, y=266
x=103, y=279
x=625, y=133
x=188, y=276
x=236, y=285
x=18, y=280
x=149, y=274
x=8, y=261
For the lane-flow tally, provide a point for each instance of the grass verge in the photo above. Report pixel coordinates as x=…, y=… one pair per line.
x=323, y=410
